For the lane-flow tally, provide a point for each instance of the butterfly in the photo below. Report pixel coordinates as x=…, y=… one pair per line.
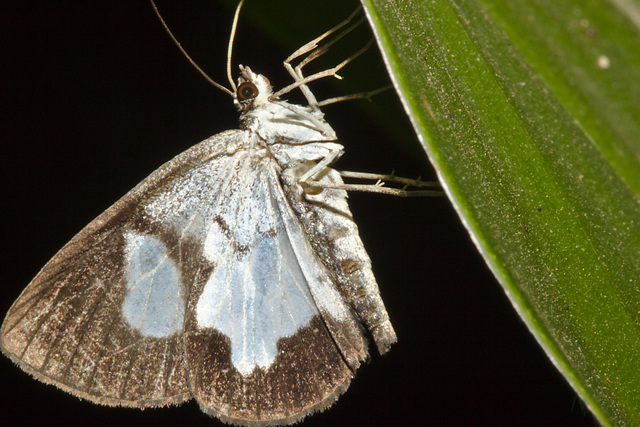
x=233, y=275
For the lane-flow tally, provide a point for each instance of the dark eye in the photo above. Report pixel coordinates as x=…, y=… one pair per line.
x=247, y=91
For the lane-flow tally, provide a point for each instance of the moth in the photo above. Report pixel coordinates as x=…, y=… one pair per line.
x=233, y=275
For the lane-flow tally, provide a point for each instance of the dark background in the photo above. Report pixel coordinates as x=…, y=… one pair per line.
x=95, y=97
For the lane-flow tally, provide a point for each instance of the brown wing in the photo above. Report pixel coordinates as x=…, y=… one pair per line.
x=67, y=326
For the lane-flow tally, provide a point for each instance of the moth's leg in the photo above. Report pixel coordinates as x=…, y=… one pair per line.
x=312, y=173
x=423, y=188
x=378, y=187
x=331, y=72
x=316, y=51
x=409, y=182
x=313, y=44
x=359, y=95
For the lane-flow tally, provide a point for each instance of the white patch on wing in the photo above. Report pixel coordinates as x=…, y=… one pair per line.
x=155, y=301
x=258, y=292
x=257, y=300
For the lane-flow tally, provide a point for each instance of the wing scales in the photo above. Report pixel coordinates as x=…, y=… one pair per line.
x=78, y=343
x=275, y=339
x=266, y=299
x=67, y=327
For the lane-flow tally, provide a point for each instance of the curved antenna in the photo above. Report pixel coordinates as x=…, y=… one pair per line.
x=209, y=79
x=230, y=47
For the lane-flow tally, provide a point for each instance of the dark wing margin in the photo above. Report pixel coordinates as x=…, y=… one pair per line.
x=67, y=329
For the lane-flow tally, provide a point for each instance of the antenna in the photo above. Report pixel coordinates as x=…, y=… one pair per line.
x=229, y=50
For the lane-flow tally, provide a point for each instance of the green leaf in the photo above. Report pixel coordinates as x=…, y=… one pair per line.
x=530, y=113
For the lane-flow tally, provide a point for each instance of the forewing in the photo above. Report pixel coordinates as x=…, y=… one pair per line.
x=268, y=337
x=104, y=318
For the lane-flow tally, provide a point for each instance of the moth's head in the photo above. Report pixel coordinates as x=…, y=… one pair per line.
x=253, y=90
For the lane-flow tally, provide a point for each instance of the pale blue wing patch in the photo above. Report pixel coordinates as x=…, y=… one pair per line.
x=155, y=300
x=257, y=292
x=257, y=300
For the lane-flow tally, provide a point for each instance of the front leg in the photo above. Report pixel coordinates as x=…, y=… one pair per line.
x=322, y=164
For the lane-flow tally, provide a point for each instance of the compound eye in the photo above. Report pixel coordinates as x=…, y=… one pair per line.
x=246, y=91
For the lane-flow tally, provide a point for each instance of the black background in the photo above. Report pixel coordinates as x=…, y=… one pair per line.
x=95, y=97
